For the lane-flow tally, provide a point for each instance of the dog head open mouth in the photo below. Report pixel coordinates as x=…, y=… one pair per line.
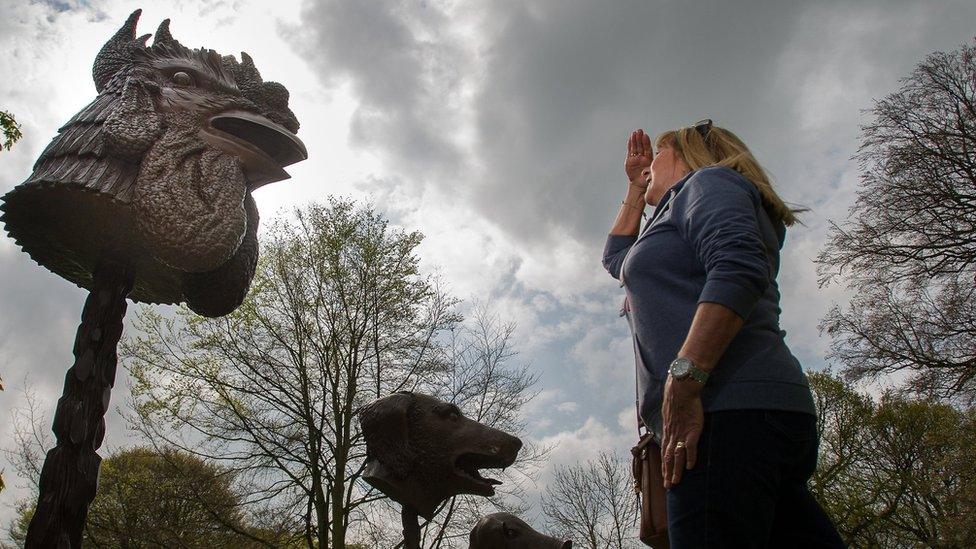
x=468, y=467
x=422, y=450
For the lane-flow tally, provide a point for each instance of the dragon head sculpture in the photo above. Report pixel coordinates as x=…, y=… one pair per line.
x=156, y=173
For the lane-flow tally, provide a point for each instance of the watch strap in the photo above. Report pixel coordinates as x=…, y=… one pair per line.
x=699, y=375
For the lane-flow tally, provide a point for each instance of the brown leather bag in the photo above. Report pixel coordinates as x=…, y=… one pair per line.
x=649, y=485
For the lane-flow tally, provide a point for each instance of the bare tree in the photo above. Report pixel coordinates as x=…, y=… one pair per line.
x=593, y=502
x=908, y=249
x=31, y=438
x=338, y=314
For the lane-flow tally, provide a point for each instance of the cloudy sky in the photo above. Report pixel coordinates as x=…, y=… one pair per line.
x=498, y=129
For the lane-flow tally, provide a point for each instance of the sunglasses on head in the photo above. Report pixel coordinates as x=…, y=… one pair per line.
x=703, y=127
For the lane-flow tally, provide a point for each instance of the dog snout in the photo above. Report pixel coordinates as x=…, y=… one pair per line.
x=501, y=446
x=514, y=445
x=507, y=447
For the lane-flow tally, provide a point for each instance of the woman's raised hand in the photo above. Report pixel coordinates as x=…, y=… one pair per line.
x=639, y=156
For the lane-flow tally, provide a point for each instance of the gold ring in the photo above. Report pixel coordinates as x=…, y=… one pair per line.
x=679, y=445
x=634, y=154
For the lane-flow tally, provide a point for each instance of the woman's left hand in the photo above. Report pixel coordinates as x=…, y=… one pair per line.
x=683, y=422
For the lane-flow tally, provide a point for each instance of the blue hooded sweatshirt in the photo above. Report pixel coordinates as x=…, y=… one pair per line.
x=709, y=240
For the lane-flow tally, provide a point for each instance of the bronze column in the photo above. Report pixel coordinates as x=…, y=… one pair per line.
x=70, y=473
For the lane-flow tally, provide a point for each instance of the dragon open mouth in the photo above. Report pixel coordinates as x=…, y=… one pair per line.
x=281, y=145
x=263, y=147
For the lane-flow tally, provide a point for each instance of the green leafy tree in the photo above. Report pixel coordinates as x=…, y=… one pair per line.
x=149, y=498
x=11, y=130
x=908, y=249
x=163, y=499
x=897, y=472
x=146, y=498
x=339, y=314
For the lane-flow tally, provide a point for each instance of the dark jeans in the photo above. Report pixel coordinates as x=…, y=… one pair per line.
x=749, y=487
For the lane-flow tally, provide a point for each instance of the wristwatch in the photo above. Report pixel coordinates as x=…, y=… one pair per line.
x=682, y=368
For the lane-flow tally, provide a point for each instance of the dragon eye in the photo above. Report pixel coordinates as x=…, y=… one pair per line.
x=182, y=79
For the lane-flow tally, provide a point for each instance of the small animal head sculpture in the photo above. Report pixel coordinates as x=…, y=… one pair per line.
x=156, y=173
x=421, y=451
x=506, y=531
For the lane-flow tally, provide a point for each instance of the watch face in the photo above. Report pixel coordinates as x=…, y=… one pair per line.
x=681, y=367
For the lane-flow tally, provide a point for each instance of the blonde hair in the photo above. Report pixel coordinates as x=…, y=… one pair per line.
x=720, y=147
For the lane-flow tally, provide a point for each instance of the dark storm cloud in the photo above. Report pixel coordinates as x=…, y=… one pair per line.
x=567, y=81
x=404, y=71
x=560, y=83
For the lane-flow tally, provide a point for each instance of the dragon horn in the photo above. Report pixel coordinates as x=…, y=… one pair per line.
x=115, y=54
x=248, y=68
x=163, y=36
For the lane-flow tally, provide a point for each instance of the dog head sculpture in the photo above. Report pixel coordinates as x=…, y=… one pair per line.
x=421, y=451
x=506, y=531
x=156, y=173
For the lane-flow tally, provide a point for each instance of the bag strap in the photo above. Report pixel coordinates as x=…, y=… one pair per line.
x=625, y=312
x=626, y=308
x=640, y=422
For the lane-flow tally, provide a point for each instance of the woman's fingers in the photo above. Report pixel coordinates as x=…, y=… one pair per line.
x=639, y=143
x=667, y=464
x=680, y=457
x=666, y=458
x=680, y=453
x=673, y=463
x=692, y=449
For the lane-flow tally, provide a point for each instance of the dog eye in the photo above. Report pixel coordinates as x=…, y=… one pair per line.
x=510, y=533
x=450, y=412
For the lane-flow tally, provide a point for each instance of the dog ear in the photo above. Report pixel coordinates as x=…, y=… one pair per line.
x=488, y=533
x=385, y=424
x=477, y=537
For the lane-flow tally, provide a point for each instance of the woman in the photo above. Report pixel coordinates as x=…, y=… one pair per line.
x=717, y=382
